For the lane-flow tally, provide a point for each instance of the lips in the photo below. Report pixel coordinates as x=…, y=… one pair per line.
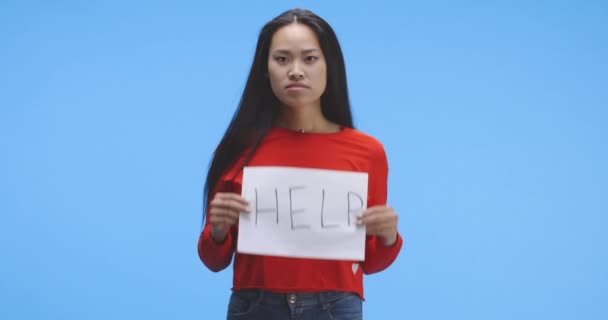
x=296, y=85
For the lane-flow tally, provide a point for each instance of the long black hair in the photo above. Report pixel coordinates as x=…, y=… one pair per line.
x=258, y=108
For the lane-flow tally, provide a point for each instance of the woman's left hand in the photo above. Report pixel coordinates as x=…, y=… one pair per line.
x=380, y=221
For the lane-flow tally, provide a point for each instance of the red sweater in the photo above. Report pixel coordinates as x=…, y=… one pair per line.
x=347, y=149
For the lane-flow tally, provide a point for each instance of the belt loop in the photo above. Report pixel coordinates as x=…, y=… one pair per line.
x=322, y=298
x=260, y=295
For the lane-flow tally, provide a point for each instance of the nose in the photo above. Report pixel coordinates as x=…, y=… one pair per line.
x=295, y=73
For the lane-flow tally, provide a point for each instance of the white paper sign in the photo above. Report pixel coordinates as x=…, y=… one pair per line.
x=305, y=213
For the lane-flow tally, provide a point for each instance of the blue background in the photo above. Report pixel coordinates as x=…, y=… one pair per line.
x=493, y=115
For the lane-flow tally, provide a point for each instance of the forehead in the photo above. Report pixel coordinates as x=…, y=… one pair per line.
x=294, y=36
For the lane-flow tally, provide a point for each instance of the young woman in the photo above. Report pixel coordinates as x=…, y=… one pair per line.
x=295, y=112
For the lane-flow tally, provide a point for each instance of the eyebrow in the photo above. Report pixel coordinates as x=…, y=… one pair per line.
x=283, y=51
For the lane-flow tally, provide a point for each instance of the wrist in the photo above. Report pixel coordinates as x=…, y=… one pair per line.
x=390, y=240
x=219, y=233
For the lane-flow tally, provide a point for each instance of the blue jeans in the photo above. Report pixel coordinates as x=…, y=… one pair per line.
x=255, y=304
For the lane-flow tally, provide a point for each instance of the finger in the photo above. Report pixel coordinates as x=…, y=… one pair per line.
x=379, y=218
x=375, y=210
x=378, y=210
x=229, y=203
x=379, y=229
x=380, y=226
x=232, y=196
x=224, y=213
x=223, y=220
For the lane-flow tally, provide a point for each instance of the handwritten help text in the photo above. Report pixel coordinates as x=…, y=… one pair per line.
x=297, y=212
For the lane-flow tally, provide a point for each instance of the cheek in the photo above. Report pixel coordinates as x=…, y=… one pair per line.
x=321, y=73
x=274, y=80
x=321, y=79
x=272, y=74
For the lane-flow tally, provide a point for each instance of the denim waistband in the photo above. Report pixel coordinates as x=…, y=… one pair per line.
x=295, y=298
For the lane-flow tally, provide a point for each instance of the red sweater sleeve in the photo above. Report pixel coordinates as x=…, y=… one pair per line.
x=216, y=256
x=378, y=256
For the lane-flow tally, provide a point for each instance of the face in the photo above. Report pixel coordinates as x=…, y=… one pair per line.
x=296, y=66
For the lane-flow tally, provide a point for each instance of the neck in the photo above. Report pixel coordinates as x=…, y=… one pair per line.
x=305, y=120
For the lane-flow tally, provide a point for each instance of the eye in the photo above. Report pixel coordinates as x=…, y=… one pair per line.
x=280, y=59
x=311, y=59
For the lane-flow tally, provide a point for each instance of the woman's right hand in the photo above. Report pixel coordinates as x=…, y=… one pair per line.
x=224, y=211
